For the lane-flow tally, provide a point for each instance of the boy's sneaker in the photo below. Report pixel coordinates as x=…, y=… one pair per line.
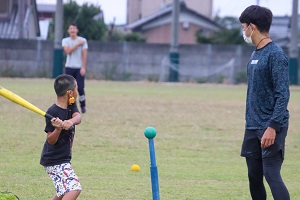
x=83, y=110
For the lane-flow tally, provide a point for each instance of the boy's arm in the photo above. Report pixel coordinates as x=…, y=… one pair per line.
x=52, y=137
x=59, y=125
x=75, y=120
x=69, y=50
x=84, y=58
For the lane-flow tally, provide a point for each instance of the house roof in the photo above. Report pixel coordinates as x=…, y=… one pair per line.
x=166, y=11
x=46, y=8
x=9, y=28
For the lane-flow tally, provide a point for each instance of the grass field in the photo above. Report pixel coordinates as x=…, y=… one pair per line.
x=199, y=134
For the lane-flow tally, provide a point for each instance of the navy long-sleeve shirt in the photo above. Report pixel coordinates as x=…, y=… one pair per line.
x=268, y=89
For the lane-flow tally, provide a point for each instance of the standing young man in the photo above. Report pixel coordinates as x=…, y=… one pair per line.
x=76, y=49
x=267, y=116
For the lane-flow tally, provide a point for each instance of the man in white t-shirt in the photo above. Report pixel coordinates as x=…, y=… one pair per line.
x=76, y=49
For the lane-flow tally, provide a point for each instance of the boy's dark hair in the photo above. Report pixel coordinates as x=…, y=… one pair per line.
x=63, y=83
x=73, y=24
x=259, y=16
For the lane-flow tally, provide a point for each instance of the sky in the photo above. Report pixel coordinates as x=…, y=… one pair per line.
x=117, y=8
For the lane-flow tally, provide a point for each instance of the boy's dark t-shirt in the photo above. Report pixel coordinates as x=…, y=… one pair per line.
x=61, y=151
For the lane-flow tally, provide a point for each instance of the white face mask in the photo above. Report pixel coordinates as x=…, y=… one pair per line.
x=247, y=39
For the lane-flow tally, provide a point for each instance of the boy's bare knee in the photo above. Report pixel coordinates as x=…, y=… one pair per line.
x=72, y=195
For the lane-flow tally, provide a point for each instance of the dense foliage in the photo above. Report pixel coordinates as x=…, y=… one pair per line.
x=230, y=33
x=89, y=19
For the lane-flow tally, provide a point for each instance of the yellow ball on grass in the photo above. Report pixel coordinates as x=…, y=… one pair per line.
x=135, y=167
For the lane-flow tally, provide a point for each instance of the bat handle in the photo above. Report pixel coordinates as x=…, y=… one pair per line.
x=51, y=117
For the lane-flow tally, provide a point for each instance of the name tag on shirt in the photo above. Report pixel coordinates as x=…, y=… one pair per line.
x=254, y=62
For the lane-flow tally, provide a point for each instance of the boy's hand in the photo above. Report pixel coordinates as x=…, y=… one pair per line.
x=57, y=123
x=67, y=124
x=82, y=71
x=81, y=42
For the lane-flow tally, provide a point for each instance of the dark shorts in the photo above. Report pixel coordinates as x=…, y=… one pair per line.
x=251, y=145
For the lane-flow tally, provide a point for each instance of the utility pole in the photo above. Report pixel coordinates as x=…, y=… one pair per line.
x=174, y=54
x=293, y=50
x=21, y=18
x=58, y=36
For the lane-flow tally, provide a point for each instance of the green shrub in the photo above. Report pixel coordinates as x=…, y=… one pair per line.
x=202, y=80
x=8, y=196
x=153, y=77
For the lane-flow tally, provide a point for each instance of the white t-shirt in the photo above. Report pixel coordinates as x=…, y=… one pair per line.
x=74, y=60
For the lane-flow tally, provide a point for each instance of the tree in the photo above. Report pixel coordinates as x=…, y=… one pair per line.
x=223, y=36
x=88, y=18
x=230, y=33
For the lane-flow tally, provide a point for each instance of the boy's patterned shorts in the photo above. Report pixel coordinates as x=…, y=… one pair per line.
x=64, y=178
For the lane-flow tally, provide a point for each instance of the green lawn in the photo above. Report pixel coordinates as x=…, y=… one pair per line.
x=199, y=134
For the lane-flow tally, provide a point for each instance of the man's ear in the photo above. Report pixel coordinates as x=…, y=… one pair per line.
x=253, y=26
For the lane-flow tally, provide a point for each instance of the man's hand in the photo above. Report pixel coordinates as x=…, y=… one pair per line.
x=268, y=137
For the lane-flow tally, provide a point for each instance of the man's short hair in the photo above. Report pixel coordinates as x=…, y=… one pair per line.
x=63, y=83
x=259, y=16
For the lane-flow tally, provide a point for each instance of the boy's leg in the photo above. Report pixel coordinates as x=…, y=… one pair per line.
x=80, y=84
x=272, y=167
x=72, y=195
x=255, y=176
x=57, y=198
x=65, y=181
